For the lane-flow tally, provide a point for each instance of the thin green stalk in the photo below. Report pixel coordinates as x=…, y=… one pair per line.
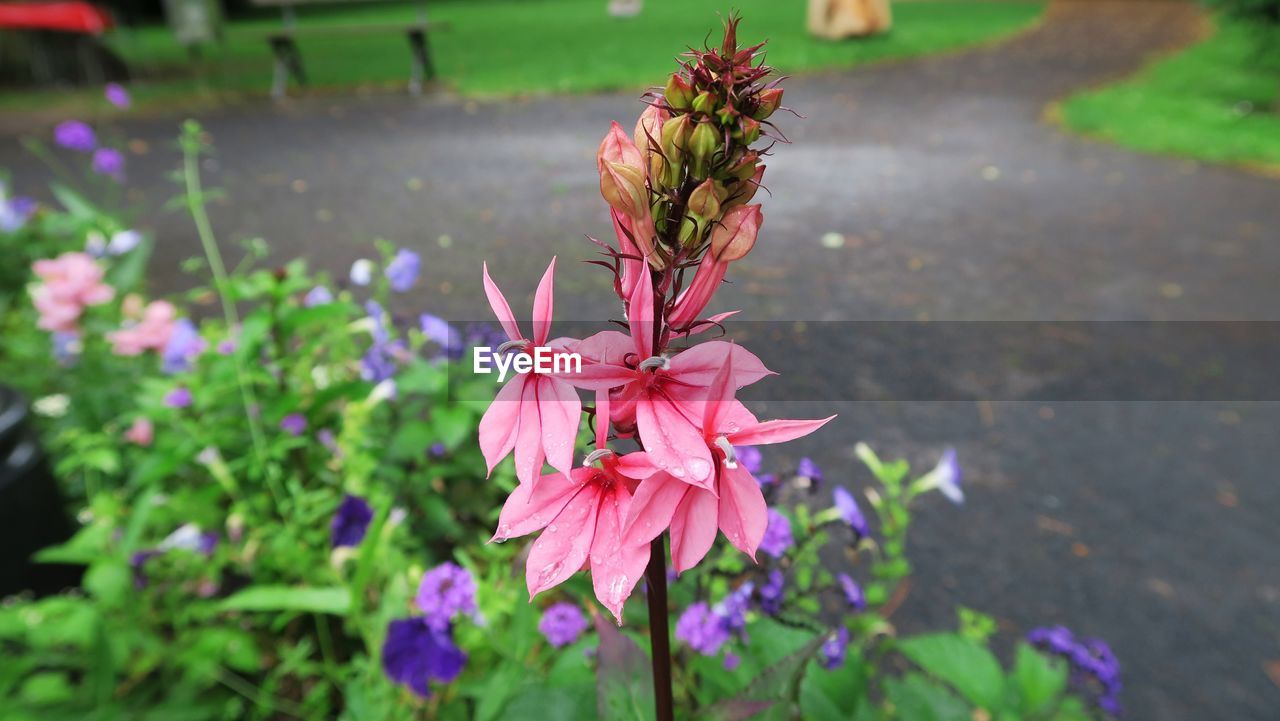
x=204, y=229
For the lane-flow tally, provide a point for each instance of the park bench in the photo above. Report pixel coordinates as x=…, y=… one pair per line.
x=288, y=59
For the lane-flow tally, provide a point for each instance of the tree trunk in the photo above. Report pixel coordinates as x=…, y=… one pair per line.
x=836, y=19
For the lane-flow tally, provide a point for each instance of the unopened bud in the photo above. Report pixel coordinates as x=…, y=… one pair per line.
x=746, y=190
x=704, y=201
x=748, y=131
x=727, y=114
x=746, y=167
x=769, y=101
x=675, y=138
x=623, y=188
x=648, y=132
x=703, y=144
x=679, y=93
x=736, y=234
x=617, y=148
x=705, y=102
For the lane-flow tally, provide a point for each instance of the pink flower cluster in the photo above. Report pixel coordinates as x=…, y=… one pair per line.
x=150, y=330
x=68, y=284
x=675, y=208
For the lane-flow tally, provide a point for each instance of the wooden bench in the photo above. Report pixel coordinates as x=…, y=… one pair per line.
x=288, y=59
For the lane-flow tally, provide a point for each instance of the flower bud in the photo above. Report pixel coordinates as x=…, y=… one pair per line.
x=746, y=166
x=736, y=234
x=623, y=188
x=648, y=130
x=769, y=101
x=703, y=144
x=704, y=103
x=704, y=201
x=679, y=93
x=748, y=131
x=746, y=190
x=617, y=148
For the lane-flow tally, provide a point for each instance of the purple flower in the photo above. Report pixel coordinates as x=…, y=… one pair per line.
x=852, y=592
x=777, y=538
x=764, y=480
x=1094, y=668
x=439, y=331
x=948, y=478
x=318, y=295
x=66, y=346
x=123, y=242
x=850, y=513
x=293, y=424
x=483, y=335
x=562, y=624
x=414, y=654
x=750, y=457
x=183, y=346
x=808, y=469
x=109, y=162
x=402, y=271
x=328, y=440
x=14, y=212
x=179, y=397
x=437, y=450
x=350, y=521
x=831, y=655
x=137, y=563
x=701, y=629
x=732, y=661
x=732, y=611
x=227, y=347
x=117, y=95
x=446, y=591
x=773, y=592
x=75, y=135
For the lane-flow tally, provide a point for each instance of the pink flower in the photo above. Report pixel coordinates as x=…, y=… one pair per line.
x=659, y=396
x=68, y=284
x=141, y=433
x=733, y=504
x=151, y=332
x=581, y=517
x=731, y=240
x=535, y=414
x=623, y=185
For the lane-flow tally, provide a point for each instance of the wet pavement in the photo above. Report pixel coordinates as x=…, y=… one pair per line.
x=929, y=189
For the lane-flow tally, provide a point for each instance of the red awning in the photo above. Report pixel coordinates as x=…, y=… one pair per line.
x=68, y=17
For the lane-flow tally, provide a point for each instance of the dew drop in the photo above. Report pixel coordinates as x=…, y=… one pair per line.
x=615, y=589
x=699, y=467
x=552, y=528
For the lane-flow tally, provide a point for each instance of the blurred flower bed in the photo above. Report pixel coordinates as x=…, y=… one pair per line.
x=283, y=513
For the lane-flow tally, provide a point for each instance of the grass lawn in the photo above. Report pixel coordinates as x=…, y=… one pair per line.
x=1212, y=102
x=506, y=47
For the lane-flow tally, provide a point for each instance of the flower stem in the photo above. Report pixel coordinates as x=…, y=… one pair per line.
x=659, y=629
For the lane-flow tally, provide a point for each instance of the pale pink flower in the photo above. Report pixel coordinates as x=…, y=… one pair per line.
x=141, y=433
x=68, y=284
x=151, y=332
x=535, y=414
x=623, y=186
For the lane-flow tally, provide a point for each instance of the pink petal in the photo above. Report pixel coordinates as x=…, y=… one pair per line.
x=500, y=307
x=632, y=266
x=674, y=444
x=697, y=366
x=602, y=419
x=615, y=566
x=779, y=431
x=640, y=315
x=532, y=506
x=501, y=421
x=719, y=396
x=565, y=543
x=635, y=465
x=712, y=323
x=652, y=507
x=743, y=513
x=560, y=411
x=693, y=529
x=529, y=453
x=543, y=302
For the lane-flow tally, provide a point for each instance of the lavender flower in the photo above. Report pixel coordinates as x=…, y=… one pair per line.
x=764, y=480
x=328, y=440
x=701, y=629
x=562, y=624
x=833, y=650
x=852, y=592
x=293, y=424
x=318, y=295
x=414, y=654
x=949, y=477
x=750, y=458
x=777, y=538
x=378, y=363
x=362, y=272
x=732, y=610
x=732, y=661
x=138, y=562
x=808, y=469
x=850, y=513
x=350, y=521
x=75, y=135
x=66, y=346
x=117, y=95
x=439, y=331
x=179, y=397
x=123, y=242
x=14, y=212
x=227, y=346
x=773, y=592
x=183, y=346
x=446, y=591
x=108, y=162
x=1094, y=667
x=402, y=271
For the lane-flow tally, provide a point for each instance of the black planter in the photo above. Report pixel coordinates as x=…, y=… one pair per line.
x=32, y=512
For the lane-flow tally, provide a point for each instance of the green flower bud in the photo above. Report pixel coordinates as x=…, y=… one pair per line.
x=704, y=103
x=769, y=101
x=675, y=138
x=679, y=93
x=704, y=201
x=702, y=147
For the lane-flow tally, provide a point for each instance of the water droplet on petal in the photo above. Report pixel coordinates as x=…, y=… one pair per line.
x=699, y=467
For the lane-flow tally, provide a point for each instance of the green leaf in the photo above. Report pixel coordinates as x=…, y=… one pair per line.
x=1038, y=678
x=546, y=703
x=334, y=600
x=915, y=698
x=624, y=677
x=501, y=685
x=109, y=581
x=74, y=202
x=49, y=687
x=453, y=424
x=836, y=693
x=968, y=667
